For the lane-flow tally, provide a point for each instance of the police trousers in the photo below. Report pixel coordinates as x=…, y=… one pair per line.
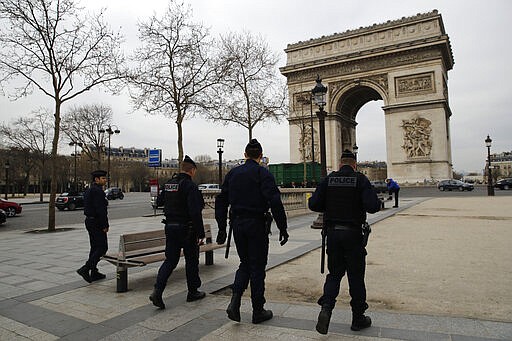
x=98, y=242
x=251, y=240
x=346, y=254
x=177, y=237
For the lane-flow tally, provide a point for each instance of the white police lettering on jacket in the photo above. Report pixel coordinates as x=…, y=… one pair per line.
x=342, y=181
x=172, y=187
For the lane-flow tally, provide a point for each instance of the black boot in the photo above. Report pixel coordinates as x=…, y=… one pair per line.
x=84, y=272
x=360, y=322
x=262, y=315
x=324, y=317
x=195, y=295
x=156, y=298
x=233, y=309
x=96, y=275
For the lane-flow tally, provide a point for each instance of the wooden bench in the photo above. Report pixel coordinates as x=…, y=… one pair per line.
x=142, y=248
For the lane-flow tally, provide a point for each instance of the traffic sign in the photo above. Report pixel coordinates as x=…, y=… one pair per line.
x=155, y=158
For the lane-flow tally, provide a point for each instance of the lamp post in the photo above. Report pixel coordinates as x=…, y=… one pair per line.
x=490, y=188
x=110, y=132
x=6, y=166
x=220, y=145
x=312, y=140
x=74, y=143
x=319, y=92
x=355, y=148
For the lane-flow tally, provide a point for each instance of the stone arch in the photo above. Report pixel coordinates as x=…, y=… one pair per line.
x=405, y=64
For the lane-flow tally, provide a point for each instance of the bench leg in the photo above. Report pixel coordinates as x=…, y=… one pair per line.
x=122, y=279
x=208, y=257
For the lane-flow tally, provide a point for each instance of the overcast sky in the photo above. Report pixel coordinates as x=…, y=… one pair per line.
x=479, y=84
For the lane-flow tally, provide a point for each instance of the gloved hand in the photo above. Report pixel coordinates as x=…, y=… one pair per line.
x=283, y=237
x=221, y=236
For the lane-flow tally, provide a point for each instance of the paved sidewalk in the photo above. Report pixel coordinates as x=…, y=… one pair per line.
x=42, y=298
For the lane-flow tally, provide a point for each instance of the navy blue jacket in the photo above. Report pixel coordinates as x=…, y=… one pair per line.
x=365, y=195
x=184, y=204
x=250, y=190
x=95, y=205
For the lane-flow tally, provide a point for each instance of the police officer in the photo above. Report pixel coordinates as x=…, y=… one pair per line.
x=96, y=223
x=250, y=190
x=344, y=197
x=183, y=204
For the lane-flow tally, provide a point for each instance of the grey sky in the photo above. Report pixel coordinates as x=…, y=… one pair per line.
x=479, y=84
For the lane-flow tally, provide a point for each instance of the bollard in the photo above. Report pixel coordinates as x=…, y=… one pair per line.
x=122, y=279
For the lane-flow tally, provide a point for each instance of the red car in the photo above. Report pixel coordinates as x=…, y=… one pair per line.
x=11, y=208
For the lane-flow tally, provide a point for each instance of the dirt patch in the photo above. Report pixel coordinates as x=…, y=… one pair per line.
x=424, y=263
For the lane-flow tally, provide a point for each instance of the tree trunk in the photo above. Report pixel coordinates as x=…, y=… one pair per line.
x=180, y=139
x=53, y=187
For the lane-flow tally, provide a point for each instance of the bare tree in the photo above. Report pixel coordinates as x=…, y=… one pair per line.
x=82, y=124
x=56, y=48
x=255, y=91
x=33, y=134
x=173, y=67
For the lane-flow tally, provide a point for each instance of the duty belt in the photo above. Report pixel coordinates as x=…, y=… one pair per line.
x=345, y=228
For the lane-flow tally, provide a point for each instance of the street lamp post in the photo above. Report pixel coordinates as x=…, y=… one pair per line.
x=110, y=132
x=6, y=166
x=490, y=188
x=318, y=94
x=74, y=143
x=220, y=145
x=312, y=140
x=355, y=148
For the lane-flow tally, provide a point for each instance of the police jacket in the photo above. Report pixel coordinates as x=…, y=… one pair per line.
x=250, y=190
x=345, y=197
x=183, y=202
x=95, y=205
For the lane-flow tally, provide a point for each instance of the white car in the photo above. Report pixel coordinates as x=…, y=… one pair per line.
x=203, y=187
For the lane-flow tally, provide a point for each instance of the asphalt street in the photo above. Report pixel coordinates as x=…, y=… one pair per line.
x=136, y=204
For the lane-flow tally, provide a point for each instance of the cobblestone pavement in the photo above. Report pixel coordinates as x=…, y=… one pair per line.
x=42, y=298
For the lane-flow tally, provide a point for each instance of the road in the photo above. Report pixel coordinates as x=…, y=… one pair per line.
x=35, y=216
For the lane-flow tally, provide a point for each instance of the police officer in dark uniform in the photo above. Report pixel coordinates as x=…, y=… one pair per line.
x=250, y=190
x=183, y=205
x=96, y=223
x=344, y=197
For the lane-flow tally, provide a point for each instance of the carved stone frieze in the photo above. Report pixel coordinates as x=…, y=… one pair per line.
x=365, y=65
x=417, y=137
x=415, y=84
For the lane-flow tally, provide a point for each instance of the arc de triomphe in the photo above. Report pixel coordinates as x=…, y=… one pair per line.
x=405, y=64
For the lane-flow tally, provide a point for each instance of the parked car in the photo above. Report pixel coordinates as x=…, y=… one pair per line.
x=207, y=186
x=380, y=186
x=113, y=193
x=3, y=217
x=451, y=184
x=70, y=200
x=504, y=183
x=10, y=207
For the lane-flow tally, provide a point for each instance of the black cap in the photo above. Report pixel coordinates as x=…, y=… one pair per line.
x=347, y=154
x=187, y=159
x=98, y=173
x=254, y=145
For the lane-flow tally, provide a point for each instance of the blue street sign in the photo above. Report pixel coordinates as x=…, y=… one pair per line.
x=155, y=158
